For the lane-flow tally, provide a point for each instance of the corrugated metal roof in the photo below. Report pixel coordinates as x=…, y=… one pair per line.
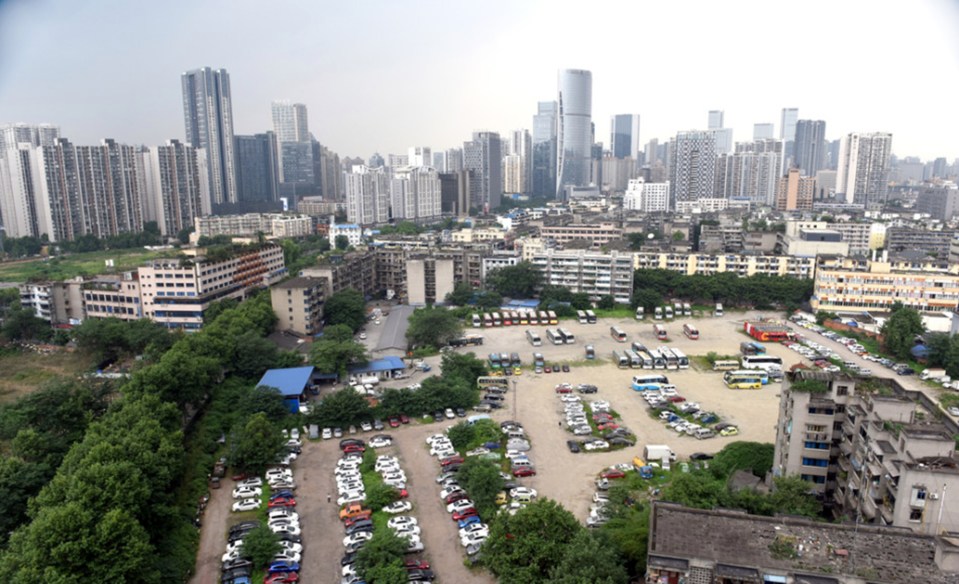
x=290, y=381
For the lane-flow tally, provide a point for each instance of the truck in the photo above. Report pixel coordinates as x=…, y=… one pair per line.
x=932, y=373
x=371, y=380
x=658, y=452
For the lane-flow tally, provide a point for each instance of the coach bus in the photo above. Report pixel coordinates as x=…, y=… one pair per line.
x=690, y=331
x=622, y=361
x=533, y=338
x=554, y=337
x=618, y=334
x=645, y=382
x=660, y=331
x=682, y=361
x=487, y=320
x=766, y=362
x=567, y=335
x=581, y=316
x=590, y=317
x=740, y=373
x=744, y=380
x=725, y=365
x=497, y=321
x=552, y=317
x=476, y=321
x=659, y=362
x=671, y=361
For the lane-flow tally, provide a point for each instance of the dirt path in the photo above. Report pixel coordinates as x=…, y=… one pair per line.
x=213, y=534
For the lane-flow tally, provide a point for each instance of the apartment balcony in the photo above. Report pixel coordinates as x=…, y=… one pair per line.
x=848, y=428
x=887, y=513
x=869, y=508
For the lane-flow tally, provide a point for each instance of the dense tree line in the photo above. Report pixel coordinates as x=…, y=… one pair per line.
x=120, y=505
x=433, y=327
x=901, y=330
x=652, y=287
x=22, y=247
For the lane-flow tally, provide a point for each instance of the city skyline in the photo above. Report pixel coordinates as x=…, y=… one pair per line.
x=487, y=82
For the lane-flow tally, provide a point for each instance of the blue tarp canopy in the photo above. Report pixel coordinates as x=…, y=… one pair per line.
x=532, y=303
x=389, y=363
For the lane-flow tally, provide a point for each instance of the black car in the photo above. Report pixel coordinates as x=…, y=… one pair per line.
x=348, y=558
x=365, y=525
x=460, y=412
x=438, y=415
x=492, y=404
x=351, y=441
x=289, y=537
x=245, y=526
x=586, y=388
x=573, y=446
x=242, y=571
x=493, y=397
x=419, y=575
x=506, y=423
x=620, y=441
x=700, y=456
x=382, y=437
x=565, y=368
x=237, y=563
x=377, y=425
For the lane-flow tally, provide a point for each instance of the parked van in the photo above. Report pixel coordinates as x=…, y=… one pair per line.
x=703, y=433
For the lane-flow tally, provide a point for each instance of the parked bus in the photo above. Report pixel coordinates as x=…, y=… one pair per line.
x=467, y=340
x=749, y=374
x=647, y=360
x=691, y=331
x=552, y=317
x=638, y=347
x=487, y=320
x=590, y=317
x=507, y=318
x=766, y=362
x=621, y=360
x=681, y=359
x=543, y=317
x=671, y=361
x=515, y=317
x=687, y=309
x=494, y=362
x=497, y=321
x=533, y=318
x=678, y=309
x=747, y=380
x=590, y=352
x=490, y=381
x=476, y=321
x=581, y=316
x=568, y=337
x=635, y=361
x=659, y=362
x=645, y=382
x=660, y=331
x=533, y=338
x=538, y=360
x=554, y=337
x=640, y=313
x=719, y=309
x=669, y=312
x=523, y=317
x=658, y=313
x=618, y=334
x=514, y=360
x=725, y=365
x=750, y=348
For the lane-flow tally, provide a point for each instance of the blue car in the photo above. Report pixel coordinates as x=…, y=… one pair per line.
x=469, y=521
x=491, y=445
x=282, y=493
x=283, y=567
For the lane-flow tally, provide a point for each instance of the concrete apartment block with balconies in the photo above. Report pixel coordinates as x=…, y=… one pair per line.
x=298, y=304
x=595, y=274
x=743, y=265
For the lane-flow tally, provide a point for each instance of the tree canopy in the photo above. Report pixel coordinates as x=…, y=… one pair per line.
x=900, y=331
x=336, y=350
x=345, y=307
x=434, y=327
x=519, y=281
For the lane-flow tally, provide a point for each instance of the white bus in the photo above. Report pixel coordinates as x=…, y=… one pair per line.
x=635, y=361
x=487, y=320
x=543, y=317
x=725, y=365
x=496, y=319
x=691, y=331
x=766, y=362
x=476, y=321
x=659, y=362
x=660, y=332
x=552, y=317
x=590, y=317
x=622, y=361
x=645, y=382
x=658, y=313
x=554, y=336
x=682, y=361
x=533, y=338
x=671, y=361
x=618, y=334
x=568, y=337
x=640, y=313
x=581, y=316
x=761, y=374
x=647, y=360
x=533, y=318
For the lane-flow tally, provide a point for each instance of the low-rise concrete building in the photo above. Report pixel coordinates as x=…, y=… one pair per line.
x=742, y=264
x=298, y=305
x=356, y=270
x=599, y=234
x=595, y=274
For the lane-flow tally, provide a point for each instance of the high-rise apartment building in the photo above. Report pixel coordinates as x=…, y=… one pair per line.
x=751, y=172
x=544, y=149
x=810, y=150
x=795, y=192
x=420, y=156
x=35, y=135
x=415, y=194
x=624, y=136
x=692, y=166
x=257, y=168
x=208, y=116
x=290, y=121
x=19, y=208
x=764, y=131
x=863, y=171
x=722, y=135
x=483, y=156
x=575, y=131
x=175, y=186
x=517, y=163
x=646, y=197
x=787, y=123
x=367, y=195
x=294, y=148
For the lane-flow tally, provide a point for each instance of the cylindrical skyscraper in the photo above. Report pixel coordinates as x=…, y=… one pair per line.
x=574, y=134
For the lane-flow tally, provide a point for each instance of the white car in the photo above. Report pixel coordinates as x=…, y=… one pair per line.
x=246, y=505
x=522, y=492
x=460, y=505
x=357, y=537
x=247, y=492
x=582, y=430
x=596, y=445
x=478, y=451
x=450, y=490
x=388, y=468
x=435, y=437
x=279, y=473
x=281, y=521
x=442, y=452
x=407, y=531
x=380, y=443
x=393, y=476
x=401, y=520
x=351, y=497
x=450, y=414
x=445, y=477
x=282, y=512
x=398, y=507
x=473, y=539
x=327, y=433
x=290, y=528
x=250, y=482
x=953, y=411
x=287, y=556
x=366, y=426
x=476, y=529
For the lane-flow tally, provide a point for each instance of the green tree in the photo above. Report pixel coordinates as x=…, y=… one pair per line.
x=433, y=326
x=648, y=299
x=900, y=331
x=482, y=481
x=341, y=408
x=678, y=236
x=264, y=400
x=580, y=301
x=346, y=307
x=379, y=495
x=336, y=351
x=342, y=242
x=525, y=548
x=519, y=281
x=589, y=559
x=755, y=457
x=461, y=295
x=260, y=545
x=462, y=366
x=256, y=445
x=606, y=302
x=378, y=560
x=792, y=496
x=20, y=324
x=489, y=300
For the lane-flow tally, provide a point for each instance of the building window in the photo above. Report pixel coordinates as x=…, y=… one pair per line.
x=815, y=462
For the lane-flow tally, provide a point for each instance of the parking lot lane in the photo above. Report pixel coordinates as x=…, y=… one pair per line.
x=216, y=517
x=440, y=536
x=322, y=531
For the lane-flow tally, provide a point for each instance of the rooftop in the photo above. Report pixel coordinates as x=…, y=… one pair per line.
x=388, y=363
x=290, y=381
x=393, y=335
x=299, y=282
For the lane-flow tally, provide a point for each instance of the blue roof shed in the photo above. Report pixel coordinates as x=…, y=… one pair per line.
x=385, y=364
x=292, y=383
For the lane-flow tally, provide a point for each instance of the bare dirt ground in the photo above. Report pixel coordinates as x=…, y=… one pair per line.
x=215, y=520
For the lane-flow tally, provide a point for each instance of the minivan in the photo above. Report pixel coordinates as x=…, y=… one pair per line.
x=704, y=433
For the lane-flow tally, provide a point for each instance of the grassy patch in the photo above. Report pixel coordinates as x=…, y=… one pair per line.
x=618, y=312
x=26, y=371
x=76, y=264
x=948, y=400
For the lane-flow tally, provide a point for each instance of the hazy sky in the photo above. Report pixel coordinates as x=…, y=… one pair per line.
x=385, y=75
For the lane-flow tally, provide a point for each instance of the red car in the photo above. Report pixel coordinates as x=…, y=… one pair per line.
x=404, y=419
x=394, y=422
x=281, y=578
x=457, y=496
x=361, y=517
x=282, y=502
x=677, y=399
x=464, y=514
x=612, y=473
x=241, y=477
x=607, y=426
x=403, y=493
x=546, y=369
x=602, y=417
x=564, y=389
x=354, y=448
x=451, y=460
x=417, y=564
x=523, y=471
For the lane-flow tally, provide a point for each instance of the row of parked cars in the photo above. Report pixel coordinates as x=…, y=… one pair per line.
x=472, y=531
x=671, y=405
x=577, y=422
x=282, y=520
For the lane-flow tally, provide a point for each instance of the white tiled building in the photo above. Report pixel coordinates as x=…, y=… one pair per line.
x=596, y=274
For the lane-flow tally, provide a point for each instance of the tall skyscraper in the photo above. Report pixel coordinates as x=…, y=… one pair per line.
x=764, y=131
x=544, y=149
x=715, y=120
x=624, y=136
x=367, y=195
x=787, y=123
x=810, y=150
x=208, y=116
x=454, y=159
x=294, y=148
x=517, y=163
x=863, y=172
x=290, y=121
x=575, y=140
x=420, y=156
x=257, y=168
x=415, y=194
x=176, y=187
x=483, y=155
x=692, y=166
x=751, y=172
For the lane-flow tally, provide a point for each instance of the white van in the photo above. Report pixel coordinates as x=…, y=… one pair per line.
x=703, y=433
x=473, y=419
